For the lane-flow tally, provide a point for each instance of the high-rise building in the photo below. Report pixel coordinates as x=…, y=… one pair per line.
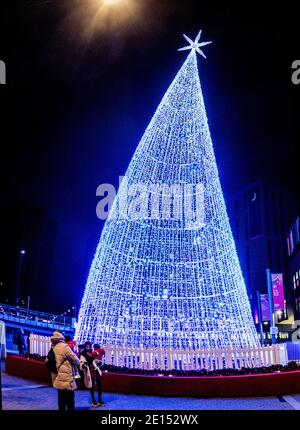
x=260, y=214
x=293, y=250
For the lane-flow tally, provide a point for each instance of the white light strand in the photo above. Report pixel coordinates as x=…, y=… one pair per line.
x=157, y=282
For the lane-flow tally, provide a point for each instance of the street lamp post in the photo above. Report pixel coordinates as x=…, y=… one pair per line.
x=260, y=317
x=75, y=311
x=22, y=253
x=28, y=302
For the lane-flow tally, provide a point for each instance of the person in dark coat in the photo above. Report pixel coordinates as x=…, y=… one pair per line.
x=20, y=341
x=89, y=364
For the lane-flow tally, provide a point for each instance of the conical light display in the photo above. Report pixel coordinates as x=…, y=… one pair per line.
x=166, y=273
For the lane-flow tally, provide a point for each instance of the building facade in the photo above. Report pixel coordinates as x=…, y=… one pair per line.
x=260, y=215
x=293, y=251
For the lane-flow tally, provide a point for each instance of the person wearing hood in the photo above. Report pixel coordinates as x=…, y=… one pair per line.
x=64, y=379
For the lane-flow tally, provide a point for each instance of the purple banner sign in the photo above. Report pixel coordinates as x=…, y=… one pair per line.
x=278, y=294
x=265, y=307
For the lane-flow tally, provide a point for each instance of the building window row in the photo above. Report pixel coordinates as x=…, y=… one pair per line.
x=294, y=237
x=296, y=279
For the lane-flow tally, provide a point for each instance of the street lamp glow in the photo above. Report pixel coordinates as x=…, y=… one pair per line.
x=106, y=18
x=22, y=251
x=111, y=1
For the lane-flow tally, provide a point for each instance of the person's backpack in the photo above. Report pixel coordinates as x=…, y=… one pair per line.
x=51, y=362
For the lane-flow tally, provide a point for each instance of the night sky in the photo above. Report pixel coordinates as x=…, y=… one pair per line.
x=76, y=105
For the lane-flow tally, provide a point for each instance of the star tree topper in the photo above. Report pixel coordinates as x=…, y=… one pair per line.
x=195, y=44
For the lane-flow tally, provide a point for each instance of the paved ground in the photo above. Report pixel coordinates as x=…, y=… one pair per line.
x=21, y=394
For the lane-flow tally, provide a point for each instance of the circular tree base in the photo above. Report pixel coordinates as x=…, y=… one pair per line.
x=270, y=384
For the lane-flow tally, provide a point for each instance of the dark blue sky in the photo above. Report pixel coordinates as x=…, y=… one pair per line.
x=72, y=117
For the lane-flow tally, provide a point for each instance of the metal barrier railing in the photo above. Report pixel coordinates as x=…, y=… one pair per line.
x=35, y=318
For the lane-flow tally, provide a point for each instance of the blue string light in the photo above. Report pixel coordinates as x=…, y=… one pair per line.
x=169, y=282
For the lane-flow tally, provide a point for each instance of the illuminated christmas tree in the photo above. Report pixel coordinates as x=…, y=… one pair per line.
x=166, y=273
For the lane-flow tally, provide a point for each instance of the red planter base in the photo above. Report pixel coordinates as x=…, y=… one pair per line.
x=28, y=369
x=271, y=384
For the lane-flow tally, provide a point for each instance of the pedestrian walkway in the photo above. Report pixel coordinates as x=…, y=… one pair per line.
x=22, y=394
